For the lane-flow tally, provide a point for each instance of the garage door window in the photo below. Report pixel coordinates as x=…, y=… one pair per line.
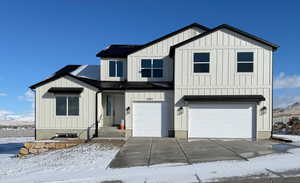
x=201, y=62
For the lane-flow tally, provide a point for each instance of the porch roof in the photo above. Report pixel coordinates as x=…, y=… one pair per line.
x=224, y=98
x=124, y=85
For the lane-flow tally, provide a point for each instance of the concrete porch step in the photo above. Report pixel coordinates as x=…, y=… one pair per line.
x=110, y=132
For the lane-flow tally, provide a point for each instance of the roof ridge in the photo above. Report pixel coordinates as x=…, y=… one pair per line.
x=128, y=52
x=226, y=26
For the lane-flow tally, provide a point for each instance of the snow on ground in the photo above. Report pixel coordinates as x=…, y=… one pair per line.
x=88, y=163
x=294, y=138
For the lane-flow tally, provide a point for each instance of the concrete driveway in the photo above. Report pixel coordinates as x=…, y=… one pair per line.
x=151, y=151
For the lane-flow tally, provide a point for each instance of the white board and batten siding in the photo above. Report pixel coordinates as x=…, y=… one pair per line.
x=149, y=96
x=223, y=78
x=158, y=50
x=46, y=106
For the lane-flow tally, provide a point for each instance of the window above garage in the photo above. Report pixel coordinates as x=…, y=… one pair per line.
x=152, y=68
x=245, y=62
x=201, y=62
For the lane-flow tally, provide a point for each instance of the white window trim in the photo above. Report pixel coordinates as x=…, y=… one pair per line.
x=209, y=63
x=152, y=68
x=116, y=69
x=67, y=104
x=249, y=62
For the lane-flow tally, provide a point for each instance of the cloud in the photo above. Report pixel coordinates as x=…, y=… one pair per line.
x=2, y=94
x=28, y=96
x=284, y=81
x=6, y=115
x=283, y=101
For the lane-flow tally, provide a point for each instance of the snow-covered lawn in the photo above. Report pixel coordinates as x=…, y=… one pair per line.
x=294, y=138
x=88, y=163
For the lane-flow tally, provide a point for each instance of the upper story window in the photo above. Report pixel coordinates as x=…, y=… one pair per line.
x=67, y=105
x=115, y=68
x=201, y=62
x=152, y=68
x=245, y=62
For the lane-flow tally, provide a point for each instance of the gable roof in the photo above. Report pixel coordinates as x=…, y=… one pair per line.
x=72, y=71
x=224, y=26
x=117, y=51
x=62, y=72
x=112, y=51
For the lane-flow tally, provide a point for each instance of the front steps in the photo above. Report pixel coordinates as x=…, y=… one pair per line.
x=110, y=132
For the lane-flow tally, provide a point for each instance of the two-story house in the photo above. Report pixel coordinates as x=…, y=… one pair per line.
x=195, y=82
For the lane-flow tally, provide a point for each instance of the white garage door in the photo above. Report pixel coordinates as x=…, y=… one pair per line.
x=220, y=121
x=149, y=119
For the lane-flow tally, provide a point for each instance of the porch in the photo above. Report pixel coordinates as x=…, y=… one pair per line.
x=112, y=114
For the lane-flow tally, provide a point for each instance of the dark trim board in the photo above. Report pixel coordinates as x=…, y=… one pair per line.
x=223, y=26
x=224, y=98
x=126, y=50
x=106, y=85
x=68, y=90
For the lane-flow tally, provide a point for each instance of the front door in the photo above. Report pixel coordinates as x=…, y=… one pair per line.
x=118, y=109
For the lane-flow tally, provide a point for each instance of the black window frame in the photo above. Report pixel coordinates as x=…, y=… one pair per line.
x=117, y=70
x=244, y=60
x=152, y=70
x=67, y=107
x=204, y=62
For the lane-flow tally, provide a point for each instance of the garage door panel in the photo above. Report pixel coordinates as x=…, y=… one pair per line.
x=148, y=119
x=220, y=121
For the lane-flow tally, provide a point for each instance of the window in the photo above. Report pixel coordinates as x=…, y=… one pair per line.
x=108, y=105
x=115, y=68
x=245, y=62
x=67, y=105
x=152, y=68
x=201, y=62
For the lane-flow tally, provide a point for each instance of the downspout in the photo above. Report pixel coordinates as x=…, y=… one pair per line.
x=272, y=116
x=96, y=114
x=34, y=113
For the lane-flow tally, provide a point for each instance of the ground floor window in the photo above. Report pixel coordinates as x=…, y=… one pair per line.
x=67, y=105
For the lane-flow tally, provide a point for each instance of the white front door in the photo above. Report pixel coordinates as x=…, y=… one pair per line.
x=148, y=119
x=221, y=121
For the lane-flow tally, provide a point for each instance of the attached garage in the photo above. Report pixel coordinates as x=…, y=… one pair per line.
x=150, y=119
x=221, y=121
x=222, y=116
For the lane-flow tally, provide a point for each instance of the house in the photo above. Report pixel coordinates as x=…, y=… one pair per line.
x=195, y=82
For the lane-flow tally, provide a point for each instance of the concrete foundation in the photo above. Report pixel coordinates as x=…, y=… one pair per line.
x=181, y=134
x=128, y=133
x=263, y=134
x=45, y=134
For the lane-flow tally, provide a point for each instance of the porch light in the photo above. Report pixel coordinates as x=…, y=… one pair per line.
x=128, y=110
x=263, y=110
x=180, y=110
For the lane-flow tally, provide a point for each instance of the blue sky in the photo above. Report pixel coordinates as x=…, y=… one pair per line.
x=39, y=37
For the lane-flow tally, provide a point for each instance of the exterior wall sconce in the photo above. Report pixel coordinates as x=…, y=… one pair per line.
x=180, y=110
x=128, y=110
x=263, y=110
